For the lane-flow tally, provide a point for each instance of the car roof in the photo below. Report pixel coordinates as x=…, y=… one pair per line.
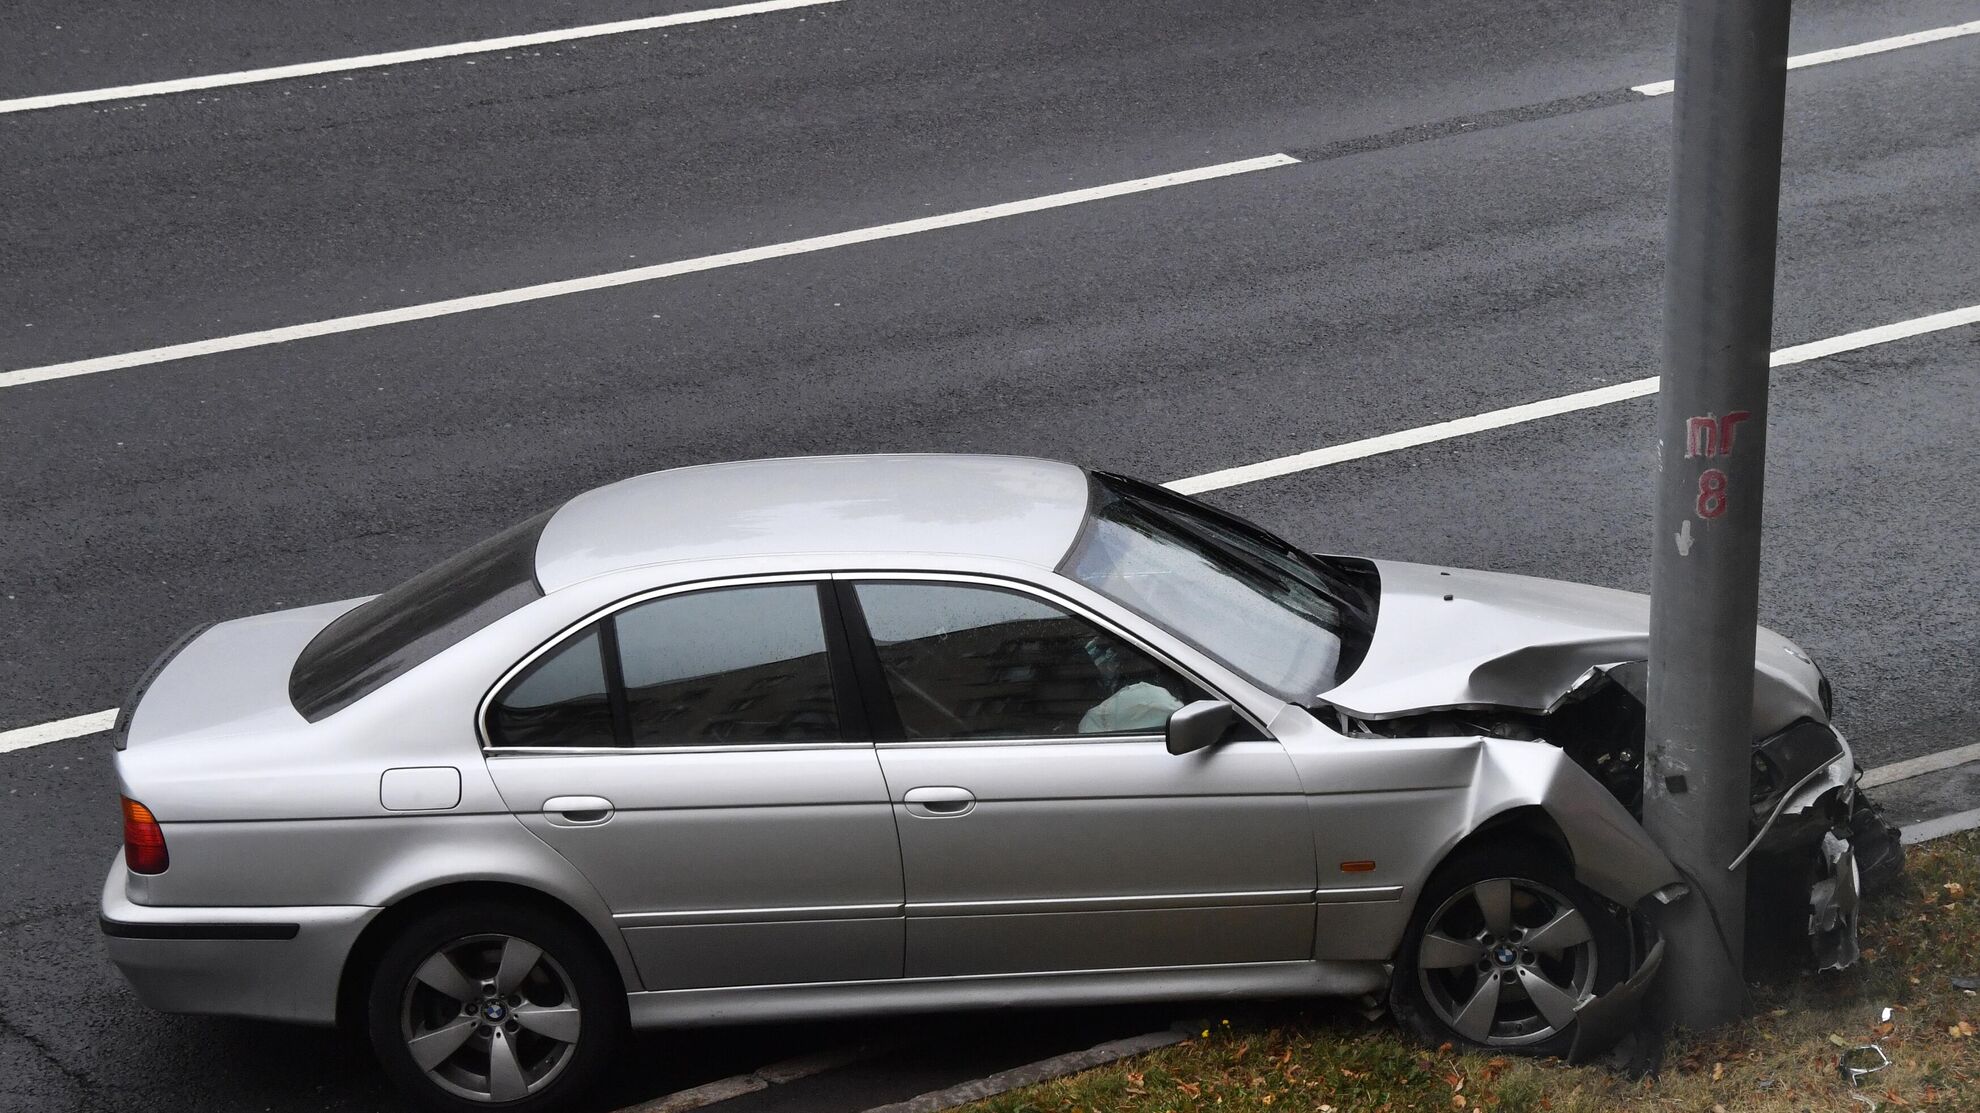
x=1007, y=507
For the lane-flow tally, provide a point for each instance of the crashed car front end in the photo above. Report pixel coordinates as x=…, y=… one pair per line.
x=1463, y=652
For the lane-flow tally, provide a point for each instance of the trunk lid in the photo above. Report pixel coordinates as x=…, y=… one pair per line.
x=226, y=680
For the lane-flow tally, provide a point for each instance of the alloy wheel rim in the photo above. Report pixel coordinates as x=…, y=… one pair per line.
x=1506, y=962
x=491, y=1018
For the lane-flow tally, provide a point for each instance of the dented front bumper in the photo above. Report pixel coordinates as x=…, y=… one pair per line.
x=1814, y=855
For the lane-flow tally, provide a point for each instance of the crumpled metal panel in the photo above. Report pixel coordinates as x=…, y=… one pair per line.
x=1832, y=906
x=1603, y=1020
x=1452, y=638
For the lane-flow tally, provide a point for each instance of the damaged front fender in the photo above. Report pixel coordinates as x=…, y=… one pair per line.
x=1612, y=853
x=1602, y=1021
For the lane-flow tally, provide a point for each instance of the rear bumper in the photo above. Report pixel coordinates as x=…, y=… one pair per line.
x=265, y=963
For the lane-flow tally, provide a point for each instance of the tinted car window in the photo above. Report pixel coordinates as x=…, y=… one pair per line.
x=560, y=700
x=979, y=662
x=378, y=640
x=734, y=665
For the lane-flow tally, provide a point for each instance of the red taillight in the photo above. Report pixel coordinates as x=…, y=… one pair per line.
x=144, y=840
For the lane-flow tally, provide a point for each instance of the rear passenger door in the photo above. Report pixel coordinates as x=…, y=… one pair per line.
x=1044, y=825
x=702, y=756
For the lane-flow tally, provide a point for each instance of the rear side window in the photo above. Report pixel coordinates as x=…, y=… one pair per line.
x=561, y=699
x=416, y=620
x=729, y=666
x=736, y=666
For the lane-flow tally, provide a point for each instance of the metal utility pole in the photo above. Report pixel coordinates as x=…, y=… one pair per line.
x=1712, y=429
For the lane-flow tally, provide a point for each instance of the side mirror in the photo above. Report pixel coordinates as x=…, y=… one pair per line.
x=1200, y=725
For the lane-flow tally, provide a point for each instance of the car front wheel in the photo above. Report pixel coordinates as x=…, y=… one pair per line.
x=486, y=1006
x=1504, y=947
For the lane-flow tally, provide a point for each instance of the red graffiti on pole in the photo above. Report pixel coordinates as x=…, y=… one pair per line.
x=1711, y=493
x=1710, y=437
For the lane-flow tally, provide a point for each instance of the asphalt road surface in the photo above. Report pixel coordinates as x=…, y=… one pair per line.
x=1475, y=221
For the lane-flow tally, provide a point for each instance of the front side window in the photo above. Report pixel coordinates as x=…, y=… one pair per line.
x=969, y=662
x=728, y=666
x=382, y=638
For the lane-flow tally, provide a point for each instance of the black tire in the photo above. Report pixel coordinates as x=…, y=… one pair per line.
x=570, y=989
x=1541, y=887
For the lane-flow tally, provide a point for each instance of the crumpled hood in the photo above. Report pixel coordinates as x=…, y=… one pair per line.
x=1452, y=638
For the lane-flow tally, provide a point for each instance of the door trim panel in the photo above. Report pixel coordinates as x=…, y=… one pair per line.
x=697, y=916
x=1113, y=904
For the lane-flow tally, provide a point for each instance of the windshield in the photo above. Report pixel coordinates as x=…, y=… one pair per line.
x=376, y=641
x=1294, y=624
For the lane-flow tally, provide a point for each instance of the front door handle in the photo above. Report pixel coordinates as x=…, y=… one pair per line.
x=577, y=811
x=944, y=802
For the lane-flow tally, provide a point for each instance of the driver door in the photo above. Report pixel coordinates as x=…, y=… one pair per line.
x=1044, y=826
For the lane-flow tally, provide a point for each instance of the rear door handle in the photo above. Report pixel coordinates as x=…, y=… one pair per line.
x=577, y=811
x=944, y=802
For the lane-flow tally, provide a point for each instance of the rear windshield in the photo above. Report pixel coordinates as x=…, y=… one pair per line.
x=378, y=640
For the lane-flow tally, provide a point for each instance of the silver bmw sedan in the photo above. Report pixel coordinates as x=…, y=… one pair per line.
x=851, y=735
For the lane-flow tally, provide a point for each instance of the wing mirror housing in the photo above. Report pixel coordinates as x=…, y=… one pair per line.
x=1200, y=725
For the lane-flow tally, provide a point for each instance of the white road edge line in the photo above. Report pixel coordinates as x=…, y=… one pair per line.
x=398, y=57
x=1547, y=407
x=1919, y=766
x=1939, y=828
x=63, y=729
x=1058, y=1066
x=762, y=1078
x=1819, y=57
x=652, y=273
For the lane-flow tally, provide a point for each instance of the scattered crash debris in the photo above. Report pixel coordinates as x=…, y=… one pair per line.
x=1855, y=1063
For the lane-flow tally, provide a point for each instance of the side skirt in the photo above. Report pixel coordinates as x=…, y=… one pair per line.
x=829, y=1000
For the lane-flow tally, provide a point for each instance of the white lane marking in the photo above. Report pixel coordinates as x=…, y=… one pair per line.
x=1819, y=57
x=1547, y=407
x=608, y=280
x=80, y=725
x=1919, y=766
x=398, y=57
x=1941, y=827
x=60, y=730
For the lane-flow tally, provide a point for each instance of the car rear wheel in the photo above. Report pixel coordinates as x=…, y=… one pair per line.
x=1504, y=947
x=485, y=1006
